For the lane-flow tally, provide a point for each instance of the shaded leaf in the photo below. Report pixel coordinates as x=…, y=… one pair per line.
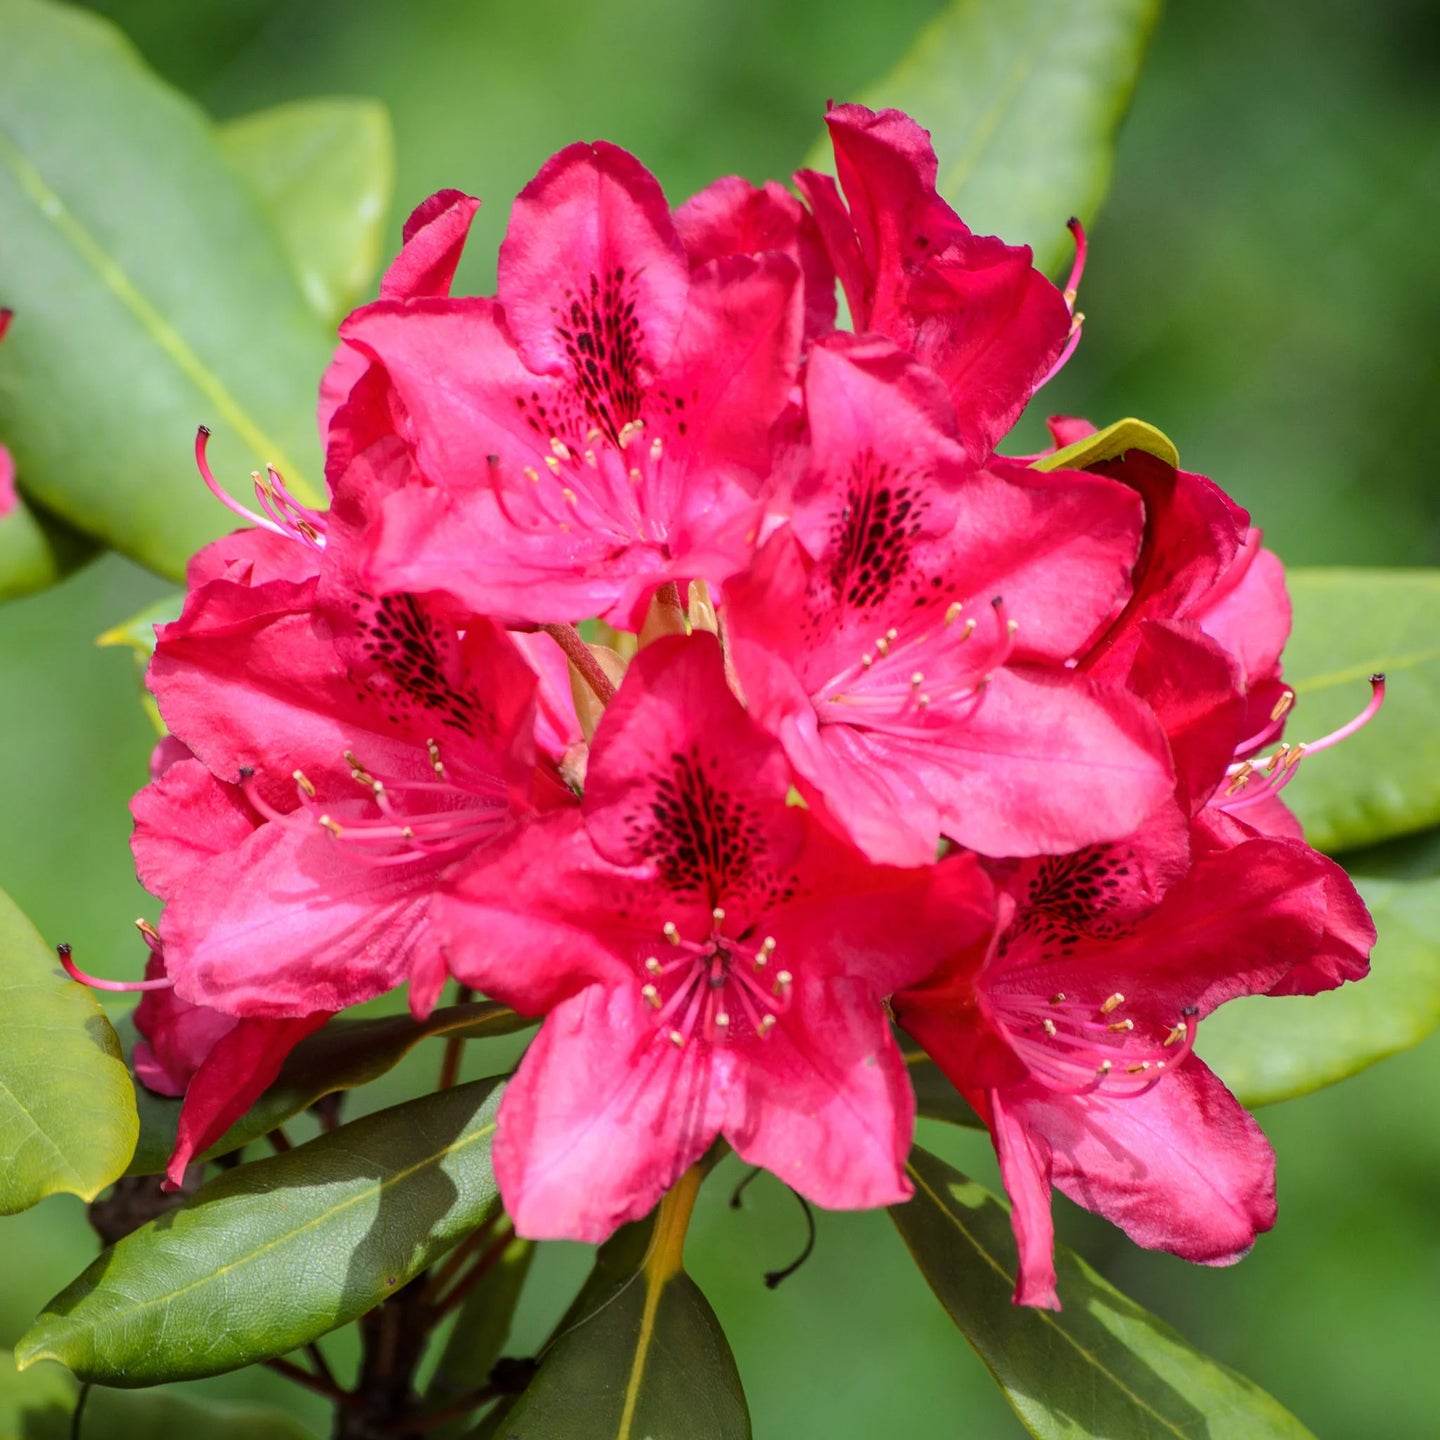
x=1385, y=781
x=1110, y=444
x=212, y=1285
x=138, y=632
x=324, y=171
x=1273, y=1049
x=346, y=1053
x=1103, y=1367
x=1023, y=100
x=37, y=550
x=482, y=1327
x=150, y=294
x=67, y=1107
x=639, y=1354
x=38, y=1405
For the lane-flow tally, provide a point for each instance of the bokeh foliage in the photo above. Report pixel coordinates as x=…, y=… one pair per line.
x=1260, y=286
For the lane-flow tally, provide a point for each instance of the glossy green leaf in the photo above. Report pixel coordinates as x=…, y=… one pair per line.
x=324, y=171
x=38, y=1405
x=273, y=1254
x=1385, y=781
x=1023, y=100
x=36, y=550
x=482, y=1327
x=150, y=293
x=1102, y=1368
x=346, y=1053
x=1111, y=443
x=640, y=1354
x=1273, y=1049
x=67, y=1107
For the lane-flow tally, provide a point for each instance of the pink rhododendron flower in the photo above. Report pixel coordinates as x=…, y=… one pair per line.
x=602, y=426
x=7, y=465
x=709, y=961
x=1071, y=1031
x=905, y=634
x=976, y=311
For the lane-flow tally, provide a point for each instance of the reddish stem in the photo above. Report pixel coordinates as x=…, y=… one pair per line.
x=567, y=637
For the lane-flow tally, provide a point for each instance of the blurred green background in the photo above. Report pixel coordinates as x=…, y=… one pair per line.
x=1263, y=286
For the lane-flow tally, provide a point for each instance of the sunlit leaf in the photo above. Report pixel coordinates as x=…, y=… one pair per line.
x=346, y=1053
x=212, y=1285
x=1385, y=781
x=1023, y=100
x=324, y=170
x=1273, y=1049
x=1101, y=1369
x=67, y=1108
x=150, y=295
x=1111, y=443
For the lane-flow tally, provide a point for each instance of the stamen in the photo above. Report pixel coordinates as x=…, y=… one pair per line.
x=1077, y=270
x=326, y=823
x=952, y=612
x=676, y=1039
x=1113, y=1003
x=304, y=783
x=1058, y=998
x=653, y=966
x=552, y=464
x=113, y=986
x=671, y=932
x=151, y=934
x=717, y=914
x=651, y=996
x=436, y=764
x=656, y=448
x=1049, y=1026
x=559, y=448
x=1282, y=705
x=1120, y=1025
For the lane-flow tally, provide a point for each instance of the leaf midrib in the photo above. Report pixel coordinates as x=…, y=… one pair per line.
x=110, y=274
x=120, y=1315
x=1044, y=1316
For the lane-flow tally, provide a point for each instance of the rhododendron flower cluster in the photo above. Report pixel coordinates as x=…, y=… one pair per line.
x=696, y=677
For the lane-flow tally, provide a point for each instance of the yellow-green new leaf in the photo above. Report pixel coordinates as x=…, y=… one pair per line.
x=274, y=1254
x=1102, y=1368
x=1023, y=99
x=67, y=1108
x=150, y=293
x=324, y=171
x=1110, y=444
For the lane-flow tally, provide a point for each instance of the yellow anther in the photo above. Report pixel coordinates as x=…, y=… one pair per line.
x=1241, y=780
x=916, y=680
x=552, y=464
x=722, y=1020
x=1103, y=1069
x=1113, y=1003
x=1058, y=998
x=670, y=932
x=559, y=449
x=676, y=1039
x=1137, y=1069
x=1120, y=1025
x=433, y=750
x=651, y=996
x=766, y=1024
x=569, y=495
x=326, y=823
x=532, y=474
x=1283, y=704
x=657, y=447
x=1050, y=1029
x=591, y=461
x=303, y=782
x=653, y=966
x=717, y=914
x=147, y=929
x=635, y=477
x=1177, y=1033
x=952, y=612
x=1011, y=626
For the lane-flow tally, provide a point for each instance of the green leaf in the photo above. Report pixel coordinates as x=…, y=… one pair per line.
x=324, y=171
x=1385, y=781
x=1102, y=1367
x=345, y=1054
x=138, y=632
x=151, y=295
x=482, y=1327
x=1273, y=1049
x=1023, y=100
x=67, y=1107
x=640, y=1354
x=37, y=550
x=1110, y=444
x=38, y=1405
x=273, y=1254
